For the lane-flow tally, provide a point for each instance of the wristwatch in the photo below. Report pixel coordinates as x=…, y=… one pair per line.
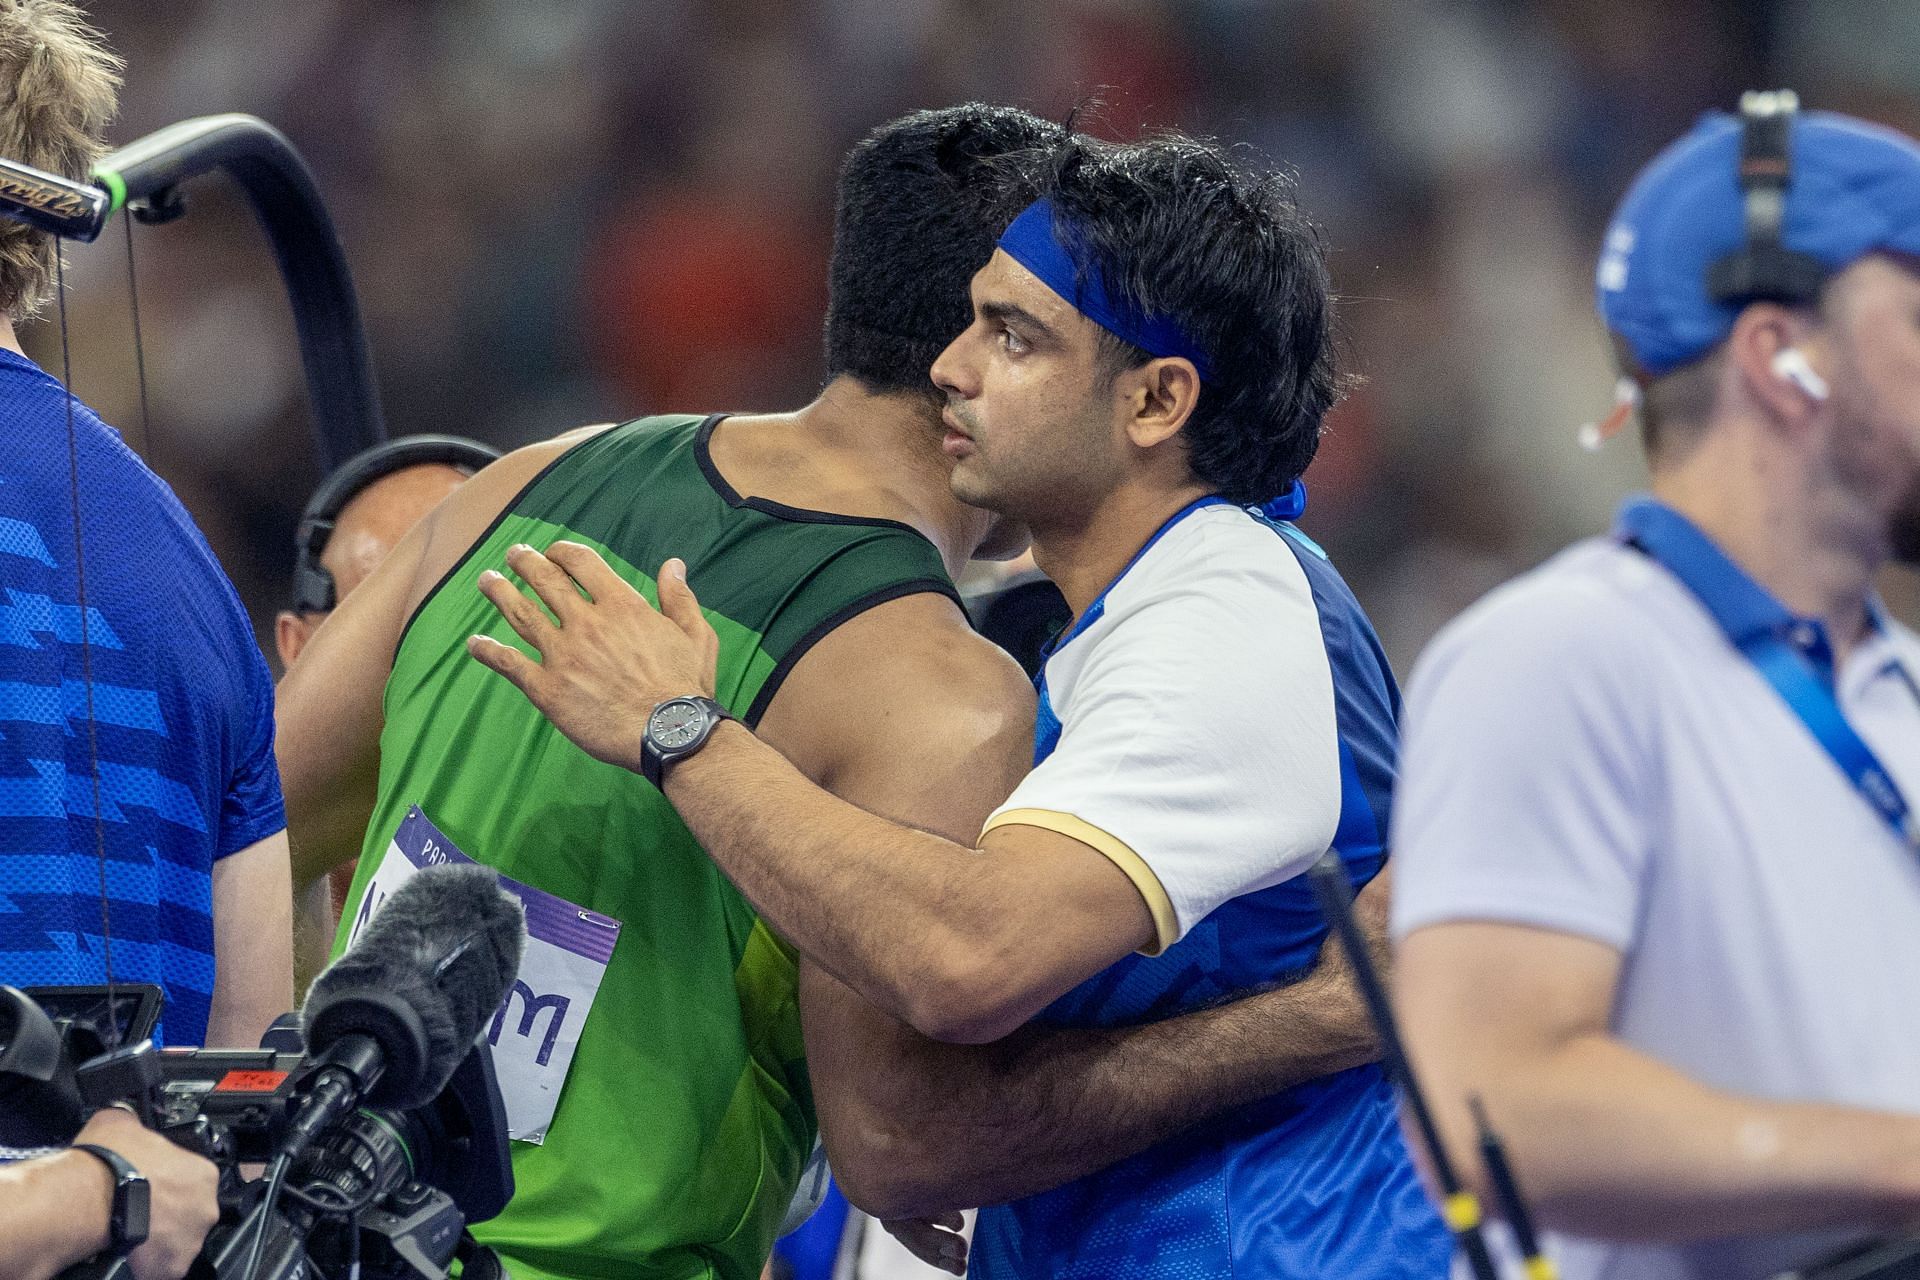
x=676, y=729
x=127, y=1227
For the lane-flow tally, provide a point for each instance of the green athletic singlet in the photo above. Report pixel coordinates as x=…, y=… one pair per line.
x=686, y=1114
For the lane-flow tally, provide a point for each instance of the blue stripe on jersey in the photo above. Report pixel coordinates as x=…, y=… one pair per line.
x=181, y=702
x=1314, y=1182
x=19, y=538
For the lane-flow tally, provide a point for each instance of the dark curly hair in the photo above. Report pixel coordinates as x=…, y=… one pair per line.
x=1180, y=231
x=922, y=200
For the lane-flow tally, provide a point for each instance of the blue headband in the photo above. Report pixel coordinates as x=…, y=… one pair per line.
x=1033, y=243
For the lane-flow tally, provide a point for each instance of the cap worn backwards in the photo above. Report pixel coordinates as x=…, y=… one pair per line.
x=1854, y=188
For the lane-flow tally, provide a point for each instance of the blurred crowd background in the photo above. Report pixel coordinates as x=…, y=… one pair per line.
x=565, y=211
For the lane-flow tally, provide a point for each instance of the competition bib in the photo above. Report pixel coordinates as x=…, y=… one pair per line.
x=538, y=1027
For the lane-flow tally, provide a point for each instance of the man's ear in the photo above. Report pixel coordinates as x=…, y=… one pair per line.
x=1762, y=332
x=1160, y=395
x=290, y=635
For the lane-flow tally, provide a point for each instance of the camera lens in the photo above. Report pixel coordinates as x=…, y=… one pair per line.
x=365, y=1157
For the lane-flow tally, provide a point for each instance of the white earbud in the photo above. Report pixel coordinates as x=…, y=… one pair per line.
x=1791, y=365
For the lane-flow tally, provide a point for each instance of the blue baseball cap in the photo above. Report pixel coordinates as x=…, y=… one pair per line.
x=1854, y=187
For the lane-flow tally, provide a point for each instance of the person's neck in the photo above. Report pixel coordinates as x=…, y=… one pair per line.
x=857, y=453
x=1812, y=551
x=1085, y=553
x=8, y=338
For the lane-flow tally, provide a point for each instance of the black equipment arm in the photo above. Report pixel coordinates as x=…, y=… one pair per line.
x=144, y=175
x=279, y=186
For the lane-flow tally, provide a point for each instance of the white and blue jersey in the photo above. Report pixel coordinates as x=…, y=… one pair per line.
x=1214, y=722
x=182, y=705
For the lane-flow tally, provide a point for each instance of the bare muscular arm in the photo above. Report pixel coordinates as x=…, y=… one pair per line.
x=914, y=1126
x=328, y=705
x=253, y=961
x=908, y=715
x=962, y=944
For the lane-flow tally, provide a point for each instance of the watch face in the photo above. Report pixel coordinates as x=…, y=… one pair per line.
x=135, y=1202
x=676, y=724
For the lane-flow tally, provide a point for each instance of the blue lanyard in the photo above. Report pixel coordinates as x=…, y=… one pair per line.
x=1758, y=626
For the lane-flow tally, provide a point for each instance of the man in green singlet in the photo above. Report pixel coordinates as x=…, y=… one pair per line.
x=824, y=542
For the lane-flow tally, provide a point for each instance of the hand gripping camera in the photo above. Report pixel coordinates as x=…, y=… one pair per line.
x=382, y=1132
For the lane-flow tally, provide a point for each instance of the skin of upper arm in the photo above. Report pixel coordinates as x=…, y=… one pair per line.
x=328, y=712
x=252, y=948
x=909, y=714
x=1485, y=1007
x=906, y=712
x=329, y=703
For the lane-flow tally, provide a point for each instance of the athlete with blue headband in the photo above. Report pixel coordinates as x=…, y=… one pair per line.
x=1150, y=357
x=1035, y=241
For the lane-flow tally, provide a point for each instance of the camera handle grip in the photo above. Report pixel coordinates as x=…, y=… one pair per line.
x=129, y=1075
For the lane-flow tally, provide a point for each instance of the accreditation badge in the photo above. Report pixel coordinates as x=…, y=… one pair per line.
x=536, y=1030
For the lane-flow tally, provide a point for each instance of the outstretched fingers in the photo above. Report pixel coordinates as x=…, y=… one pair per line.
x=526, y=618
x=508, y=661
x=588, y=568
x=548, y=580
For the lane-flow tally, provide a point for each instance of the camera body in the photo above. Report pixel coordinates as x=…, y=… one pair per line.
x=388, y=1189
x=381, y=1192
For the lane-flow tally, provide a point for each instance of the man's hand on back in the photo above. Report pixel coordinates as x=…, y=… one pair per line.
x=935, y=1240
x=607, y=657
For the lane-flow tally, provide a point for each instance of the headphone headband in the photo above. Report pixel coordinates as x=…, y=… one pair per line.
x=313, y=587
x=1764, y=269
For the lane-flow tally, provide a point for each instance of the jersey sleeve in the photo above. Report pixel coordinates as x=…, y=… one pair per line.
x=1199, y=749
x=252, y=808
x=1526, y=771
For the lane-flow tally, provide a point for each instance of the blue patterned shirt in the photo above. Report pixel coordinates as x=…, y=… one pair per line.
x=182, y=714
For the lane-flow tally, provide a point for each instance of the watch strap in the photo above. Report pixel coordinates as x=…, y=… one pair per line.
x=127, y=1222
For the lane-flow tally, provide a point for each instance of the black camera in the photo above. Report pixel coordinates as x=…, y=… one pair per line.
x=378, y=1191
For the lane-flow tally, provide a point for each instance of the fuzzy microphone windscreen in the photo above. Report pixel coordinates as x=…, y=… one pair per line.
x=427, y=971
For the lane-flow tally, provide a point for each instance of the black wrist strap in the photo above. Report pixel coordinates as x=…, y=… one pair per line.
x=122, y=1168
x=127, y=1223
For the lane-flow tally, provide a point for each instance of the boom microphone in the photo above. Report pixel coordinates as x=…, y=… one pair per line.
x=393, y=1017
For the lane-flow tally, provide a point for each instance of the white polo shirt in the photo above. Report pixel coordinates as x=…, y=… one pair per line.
x=1587, y=752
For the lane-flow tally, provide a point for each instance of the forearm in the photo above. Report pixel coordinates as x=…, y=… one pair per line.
x=53, y=1213
x=901, y=916
x=914, y=1126
x=1613, y=1143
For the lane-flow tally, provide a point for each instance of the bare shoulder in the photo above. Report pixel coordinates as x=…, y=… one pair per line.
x=464, y=515
x=915, y=655
x=899, y=697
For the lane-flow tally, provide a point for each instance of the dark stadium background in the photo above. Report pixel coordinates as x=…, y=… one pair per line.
x=567, y=212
